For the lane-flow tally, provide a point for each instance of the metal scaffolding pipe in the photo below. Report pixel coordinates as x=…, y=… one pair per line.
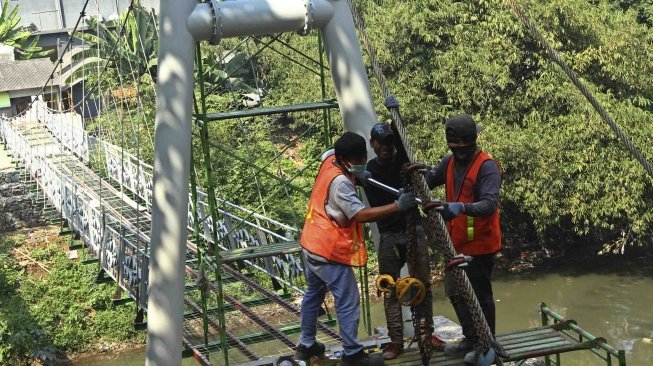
x=217, y=20
x=348, y=71
x=172, y=143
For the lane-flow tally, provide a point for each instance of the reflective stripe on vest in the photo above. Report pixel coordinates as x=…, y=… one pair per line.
x=471, y=235
x=321, y=235
x=470, y=228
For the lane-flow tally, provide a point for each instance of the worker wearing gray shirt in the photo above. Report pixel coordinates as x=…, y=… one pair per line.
x=333, y=243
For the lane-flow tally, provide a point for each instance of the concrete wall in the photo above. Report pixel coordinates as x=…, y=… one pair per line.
x=90, y=107
x=49, y=15
x=27, y=92
x=20, y=100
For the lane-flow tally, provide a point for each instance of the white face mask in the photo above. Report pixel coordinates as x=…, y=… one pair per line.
x=358, y=168
x=354, y=168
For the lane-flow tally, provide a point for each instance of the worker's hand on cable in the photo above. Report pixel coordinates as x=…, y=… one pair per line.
x=362, y=177
x=406, y=200
x=451, y=210
x=391, y=102
x=420, y=167
x=437, y=205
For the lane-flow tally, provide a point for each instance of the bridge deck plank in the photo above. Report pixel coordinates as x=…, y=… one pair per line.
x=261, y=251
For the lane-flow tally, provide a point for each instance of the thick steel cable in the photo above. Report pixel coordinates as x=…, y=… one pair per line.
x=139, y=105
x=443, y=239
x=605, y=116
x=422, y=326
x=276, y=298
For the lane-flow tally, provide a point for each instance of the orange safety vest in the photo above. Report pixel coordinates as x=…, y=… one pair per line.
x=472, y=235
x=321, y=235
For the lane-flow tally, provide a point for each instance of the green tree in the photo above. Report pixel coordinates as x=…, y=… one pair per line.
x=130, y=51
x=566, y=175
x=12, y=34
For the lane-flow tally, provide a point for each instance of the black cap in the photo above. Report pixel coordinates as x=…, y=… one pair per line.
x=350, y=146
x=462, y=127
x=381, y=132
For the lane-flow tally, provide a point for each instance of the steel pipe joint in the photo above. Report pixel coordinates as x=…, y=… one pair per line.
x=215, y=20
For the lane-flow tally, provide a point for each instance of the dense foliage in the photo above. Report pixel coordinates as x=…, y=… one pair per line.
x=567, y=177
x=129, y=45
x=54, y=306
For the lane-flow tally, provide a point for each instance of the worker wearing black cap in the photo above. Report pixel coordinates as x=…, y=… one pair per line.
x=472, y=180
x=386, y=168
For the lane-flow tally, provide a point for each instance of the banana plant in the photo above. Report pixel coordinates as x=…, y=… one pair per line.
x=230, y=72
x=129, y=50
x=12, y=34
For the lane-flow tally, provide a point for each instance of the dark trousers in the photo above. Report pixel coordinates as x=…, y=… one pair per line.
x=392, y=256
x=479, y=272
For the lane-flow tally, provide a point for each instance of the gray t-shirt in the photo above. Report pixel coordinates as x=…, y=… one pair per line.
x=343, y=202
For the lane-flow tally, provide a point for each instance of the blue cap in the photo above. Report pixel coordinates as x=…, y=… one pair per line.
x=381, y=132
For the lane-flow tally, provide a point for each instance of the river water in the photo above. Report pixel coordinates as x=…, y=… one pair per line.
x=608, y=297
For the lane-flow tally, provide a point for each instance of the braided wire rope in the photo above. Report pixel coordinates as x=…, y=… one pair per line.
x=421, y=325
x=441, y=235
x=575, y=79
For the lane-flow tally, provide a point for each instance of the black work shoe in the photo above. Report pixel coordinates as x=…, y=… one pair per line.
x=357, y=359
x=464, y=346
x=304, y=353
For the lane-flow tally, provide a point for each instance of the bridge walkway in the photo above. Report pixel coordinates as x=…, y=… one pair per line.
x=123, y=254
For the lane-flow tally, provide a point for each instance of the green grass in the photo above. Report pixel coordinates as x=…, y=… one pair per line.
x=43, y=315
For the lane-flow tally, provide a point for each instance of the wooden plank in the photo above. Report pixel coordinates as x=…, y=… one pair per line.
x=551, y=350
x=537, y=344
x=412, y=357
x=519, y=335
x=267, y=250
x=529, y=338
x=554, y=327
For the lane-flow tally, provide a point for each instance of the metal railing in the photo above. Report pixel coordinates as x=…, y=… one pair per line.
x=605, y=351
x=122, y=248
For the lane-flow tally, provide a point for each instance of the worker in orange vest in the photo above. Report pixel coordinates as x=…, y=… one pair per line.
x=472, y=180
x=332, y=241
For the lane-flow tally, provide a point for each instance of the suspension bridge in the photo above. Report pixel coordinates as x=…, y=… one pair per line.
x=107, y=195
x=115, y=229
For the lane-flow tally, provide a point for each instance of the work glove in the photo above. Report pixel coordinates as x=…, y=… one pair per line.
x=420, y=167
x=362, y=177
x=437, y=205
x=391, y=102
x=406, y=201
x=451, y=210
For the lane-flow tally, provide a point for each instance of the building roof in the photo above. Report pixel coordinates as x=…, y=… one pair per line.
x=26, y=74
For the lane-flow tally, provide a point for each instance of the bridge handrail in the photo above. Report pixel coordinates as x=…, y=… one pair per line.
x=109, y=237
x=619, y=354
x=143, y=171
x=67, y=127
